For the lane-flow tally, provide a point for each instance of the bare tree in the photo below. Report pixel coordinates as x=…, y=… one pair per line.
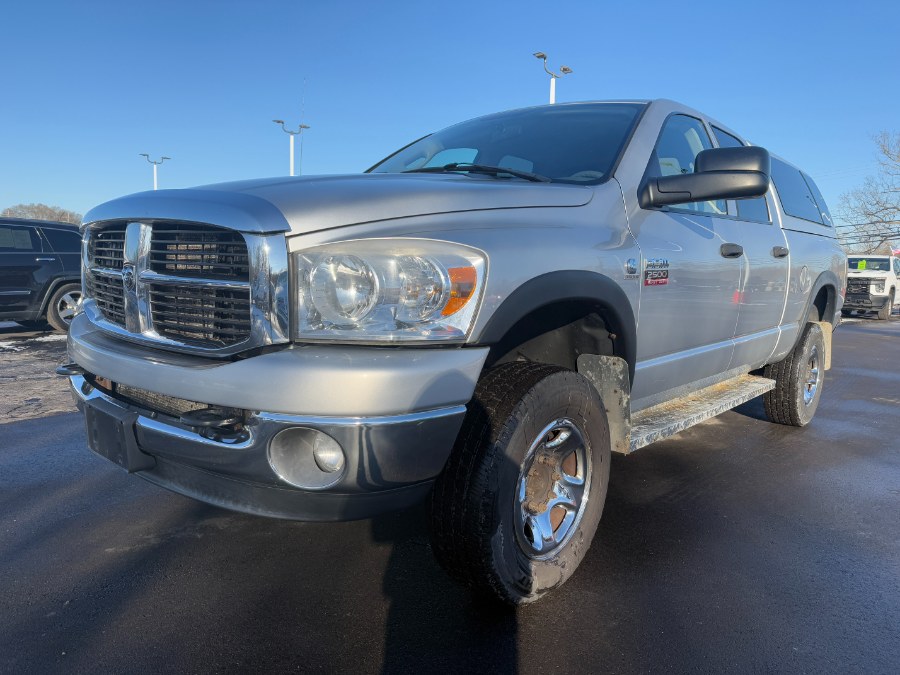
x=871, y=212
x=41, y=212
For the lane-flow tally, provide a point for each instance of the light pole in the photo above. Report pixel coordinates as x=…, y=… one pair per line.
x=155, y=164
x=564, y=70
x=292, y=134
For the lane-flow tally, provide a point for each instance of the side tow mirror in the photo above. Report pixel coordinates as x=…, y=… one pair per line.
x=721, y=173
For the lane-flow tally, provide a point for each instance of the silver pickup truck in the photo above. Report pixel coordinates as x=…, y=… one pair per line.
x=480, y=319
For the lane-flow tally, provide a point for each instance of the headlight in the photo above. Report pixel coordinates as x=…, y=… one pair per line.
x=388, y=290
x=878, y=286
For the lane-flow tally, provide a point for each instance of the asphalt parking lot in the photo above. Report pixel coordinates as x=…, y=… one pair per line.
x=738, y=545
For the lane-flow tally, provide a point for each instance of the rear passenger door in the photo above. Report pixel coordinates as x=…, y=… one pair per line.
x=765, y=264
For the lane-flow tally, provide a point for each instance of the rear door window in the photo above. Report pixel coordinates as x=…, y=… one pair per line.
x=15, y=239
x=796, y=198
x=820, y=200
x=62, y=241
x=748, y=209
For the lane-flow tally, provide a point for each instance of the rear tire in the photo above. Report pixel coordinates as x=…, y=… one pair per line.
x=61, y=308
x=519, y=501
x=798, y=381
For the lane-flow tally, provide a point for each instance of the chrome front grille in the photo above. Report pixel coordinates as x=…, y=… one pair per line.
x=187, y=286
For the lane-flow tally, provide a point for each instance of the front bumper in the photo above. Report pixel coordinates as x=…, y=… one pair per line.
x=390, y=461
x=394, y=412
x=865, y=301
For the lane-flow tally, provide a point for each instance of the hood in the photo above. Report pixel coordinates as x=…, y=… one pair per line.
x=308, y=204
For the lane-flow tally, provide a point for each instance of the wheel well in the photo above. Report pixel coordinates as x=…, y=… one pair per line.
x=823, y=305
x=55, y=286
x=558, y=334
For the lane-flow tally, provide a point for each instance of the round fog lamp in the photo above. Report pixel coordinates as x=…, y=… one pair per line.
x=328, y=454
x=307, y=458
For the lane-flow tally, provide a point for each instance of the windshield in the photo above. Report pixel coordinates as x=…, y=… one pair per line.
x=870, y=264
x=577, y=143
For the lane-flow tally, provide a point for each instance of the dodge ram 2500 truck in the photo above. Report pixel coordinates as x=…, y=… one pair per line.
x=480, y=319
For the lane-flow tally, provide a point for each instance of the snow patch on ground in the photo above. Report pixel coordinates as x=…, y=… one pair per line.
x=55, y=337
x=10, y=346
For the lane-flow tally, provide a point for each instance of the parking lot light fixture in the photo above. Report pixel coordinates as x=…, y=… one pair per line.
x=564, y=70
x=155, y=165
x=292, y=134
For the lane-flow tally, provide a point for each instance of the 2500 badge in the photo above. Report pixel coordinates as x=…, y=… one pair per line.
x=656, y=277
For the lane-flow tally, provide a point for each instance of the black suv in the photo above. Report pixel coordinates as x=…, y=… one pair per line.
x=40, y=272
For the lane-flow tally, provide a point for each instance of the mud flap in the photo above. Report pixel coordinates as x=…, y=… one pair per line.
x=827, y=330
x=609, y=375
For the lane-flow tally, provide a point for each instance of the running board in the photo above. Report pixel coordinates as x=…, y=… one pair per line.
x=667, y=419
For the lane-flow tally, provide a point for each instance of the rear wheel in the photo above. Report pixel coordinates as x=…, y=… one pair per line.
x=798, y=381
x=517, y=505
x=62, y=306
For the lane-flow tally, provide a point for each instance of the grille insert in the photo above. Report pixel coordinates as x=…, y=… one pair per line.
x=106, y=247
x=198, y=251
x=109, y=294
x=200, y=315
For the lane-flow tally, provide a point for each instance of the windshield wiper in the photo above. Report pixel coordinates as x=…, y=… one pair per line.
x=481, y=168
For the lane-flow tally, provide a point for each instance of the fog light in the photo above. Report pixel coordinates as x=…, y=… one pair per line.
x=306, y=458
x=328, y=454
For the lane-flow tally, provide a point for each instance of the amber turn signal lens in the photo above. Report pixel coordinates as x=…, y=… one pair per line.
x=462, y=288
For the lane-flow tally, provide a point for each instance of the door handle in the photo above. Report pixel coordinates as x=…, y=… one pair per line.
x=780, y=252
x=731, y=250
x=44, y=259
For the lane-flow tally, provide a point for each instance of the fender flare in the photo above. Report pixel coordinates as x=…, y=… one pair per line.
x=54, y=286
x=826, y=278
x=570, y=285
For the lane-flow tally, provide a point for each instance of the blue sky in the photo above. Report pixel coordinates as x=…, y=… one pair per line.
x=89, y=85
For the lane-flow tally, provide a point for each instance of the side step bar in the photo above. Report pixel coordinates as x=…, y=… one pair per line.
x=609, y=375
x=667, y=419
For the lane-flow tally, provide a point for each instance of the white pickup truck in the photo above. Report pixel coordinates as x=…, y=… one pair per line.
x=873, y=283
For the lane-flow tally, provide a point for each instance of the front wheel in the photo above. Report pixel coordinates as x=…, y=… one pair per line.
x=517, y=505
x=62, y=306
x=884, y=314
x=798, y=381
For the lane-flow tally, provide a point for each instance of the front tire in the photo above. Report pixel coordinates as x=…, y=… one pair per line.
x=62, y=306
x=884, y=314
x=798, y=381
x=517, y=505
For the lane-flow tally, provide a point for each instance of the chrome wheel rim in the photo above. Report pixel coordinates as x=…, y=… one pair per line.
x=813, y=376
x=552, y=490
x=67, y=305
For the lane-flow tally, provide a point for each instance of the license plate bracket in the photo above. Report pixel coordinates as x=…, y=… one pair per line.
x=110, y=432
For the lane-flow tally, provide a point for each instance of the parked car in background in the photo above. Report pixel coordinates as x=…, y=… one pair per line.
x=40, y=272
x=873, y=282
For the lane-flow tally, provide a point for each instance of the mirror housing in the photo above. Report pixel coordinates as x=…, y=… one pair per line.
x=721, y=173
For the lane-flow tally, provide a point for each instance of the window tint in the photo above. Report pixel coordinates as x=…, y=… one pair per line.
x=18, y=239
x=796, y=198
x=62, y=241
x=748, y=209
x=680, y=141
x=820, y=200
